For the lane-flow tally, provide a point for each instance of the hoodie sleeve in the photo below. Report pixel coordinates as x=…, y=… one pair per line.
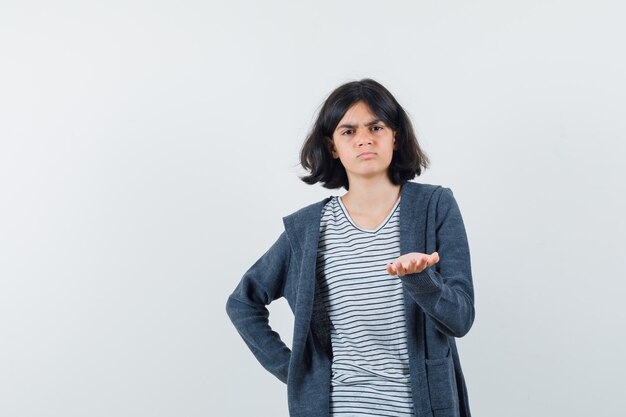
x=246, y=307
x=445, y=291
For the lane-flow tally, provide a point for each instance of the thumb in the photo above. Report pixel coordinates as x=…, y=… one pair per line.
x=434, y=257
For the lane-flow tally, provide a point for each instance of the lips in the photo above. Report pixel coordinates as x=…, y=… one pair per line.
x=366, y=155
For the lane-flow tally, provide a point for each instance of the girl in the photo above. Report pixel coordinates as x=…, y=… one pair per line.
x=379, y=279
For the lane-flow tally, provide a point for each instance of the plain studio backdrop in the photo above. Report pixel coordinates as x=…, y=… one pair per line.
x=149, y=150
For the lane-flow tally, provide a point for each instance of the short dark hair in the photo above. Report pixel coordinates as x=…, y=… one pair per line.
x=408, y=159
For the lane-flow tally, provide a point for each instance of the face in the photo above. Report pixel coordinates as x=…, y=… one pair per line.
x=363, y=143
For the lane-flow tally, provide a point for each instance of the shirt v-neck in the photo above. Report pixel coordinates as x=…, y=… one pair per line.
x=379, y=227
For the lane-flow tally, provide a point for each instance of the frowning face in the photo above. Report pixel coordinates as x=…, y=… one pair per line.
x=363, y=143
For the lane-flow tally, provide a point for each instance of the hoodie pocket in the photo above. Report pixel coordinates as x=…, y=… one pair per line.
x=442, y=383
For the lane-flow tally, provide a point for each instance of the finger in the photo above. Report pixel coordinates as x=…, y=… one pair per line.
x=434, y=258
x=400, y=268
x=391, y=270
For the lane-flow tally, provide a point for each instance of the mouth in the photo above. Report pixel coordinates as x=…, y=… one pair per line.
x=365, y=155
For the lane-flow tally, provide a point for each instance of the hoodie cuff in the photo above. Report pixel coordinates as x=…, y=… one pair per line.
x=422, y=282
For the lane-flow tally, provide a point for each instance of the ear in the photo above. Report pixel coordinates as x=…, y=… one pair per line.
x=395, y=143
x=331, y=147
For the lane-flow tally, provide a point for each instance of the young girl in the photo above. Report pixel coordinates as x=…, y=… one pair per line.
x=379, y=279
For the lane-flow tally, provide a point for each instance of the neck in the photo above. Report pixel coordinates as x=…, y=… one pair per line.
x=367, y=193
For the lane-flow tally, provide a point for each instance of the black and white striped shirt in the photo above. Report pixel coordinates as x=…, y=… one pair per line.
x=370, y=375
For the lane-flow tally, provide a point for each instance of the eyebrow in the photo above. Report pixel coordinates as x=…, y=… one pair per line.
x=348, y=126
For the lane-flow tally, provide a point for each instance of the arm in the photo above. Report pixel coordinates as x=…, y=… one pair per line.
x=446, y=295
x=246, y=307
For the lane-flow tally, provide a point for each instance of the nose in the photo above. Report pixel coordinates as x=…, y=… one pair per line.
x=363, y=137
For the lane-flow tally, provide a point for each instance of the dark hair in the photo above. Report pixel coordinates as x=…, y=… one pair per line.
x=408, y=159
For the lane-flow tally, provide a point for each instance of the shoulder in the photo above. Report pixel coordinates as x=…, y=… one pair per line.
x=415, y=191
x=442, y=205
x=305, y=221
x=434, y=198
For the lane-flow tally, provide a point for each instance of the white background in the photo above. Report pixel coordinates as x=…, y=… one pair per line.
x=148, y=151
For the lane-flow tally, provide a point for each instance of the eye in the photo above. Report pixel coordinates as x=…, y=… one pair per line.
x=377, y=128
x=347, y=132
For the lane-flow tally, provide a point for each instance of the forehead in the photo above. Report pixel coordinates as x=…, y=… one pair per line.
x=358, y=113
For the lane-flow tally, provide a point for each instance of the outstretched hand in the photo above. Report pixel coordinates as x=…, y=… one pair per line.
x=412, y=263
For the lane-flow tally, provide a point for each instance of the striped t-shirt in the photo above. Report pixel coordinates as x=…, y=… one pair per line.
x=370, y=370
